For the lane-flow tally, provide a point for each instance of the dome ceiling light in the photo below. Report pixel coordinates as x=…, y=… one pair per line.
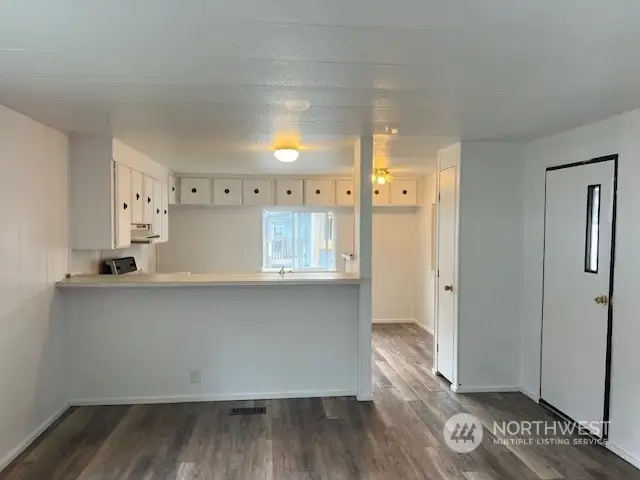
x=286, y=155
x=381, y=176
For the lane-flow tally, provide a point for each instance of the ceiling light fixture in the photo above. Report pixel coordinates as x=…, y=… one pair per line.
x=286, y=155
x=381, y=176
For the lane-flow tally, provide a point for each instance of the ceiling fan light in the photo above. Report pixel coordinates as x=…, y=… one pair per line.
x=381, y=180
x=286, y=155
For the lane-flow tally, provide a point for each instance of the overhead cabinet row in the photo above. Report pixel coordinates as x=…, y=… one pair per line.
x=290, y=192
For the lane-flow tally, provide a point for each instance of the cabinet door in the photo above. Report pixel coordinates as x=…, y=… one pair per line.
x=147, y=199
x=318, y=192
x=166, y=195
x=380, y=195
x=227, y=191
x=404, y=192
x=289, y=192
x=256, y=192
x=157, y=207
x=173, y=197
x=137, y=202
x=123, y=206
x=345, y=193
x=195, y=191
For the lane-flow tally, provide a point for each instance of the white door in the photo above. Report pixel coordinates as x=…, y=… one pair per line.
x=157, y=207
x=166, y=195
x=577, y=258
x=137, y=200
x=147, y=195
x=446, y=273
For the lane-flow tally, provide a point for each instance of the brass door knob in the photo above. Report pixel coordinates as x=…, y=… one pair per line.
x=602, y=300
x=448, y=288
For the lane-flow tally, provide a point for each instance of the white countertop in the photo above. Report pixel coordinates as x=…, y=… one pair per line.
x=207, y=279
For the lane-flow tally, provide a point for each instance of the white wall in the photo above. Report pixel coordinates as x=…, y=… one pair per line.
x=425, y=284
x=138, y=345
x=34, y=255
x=228, y=240
x=489, y=274
x=615, y=135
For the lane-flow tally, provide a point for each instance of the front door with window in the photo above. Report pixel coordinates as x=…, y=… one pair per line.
x=579, y=224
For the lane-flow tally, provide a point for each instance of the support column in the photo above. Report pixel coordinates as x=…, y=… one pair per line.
x=363, y=166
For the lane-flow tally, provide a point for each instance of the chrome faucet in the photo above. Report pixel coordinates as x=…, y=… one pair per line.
x=281, y=272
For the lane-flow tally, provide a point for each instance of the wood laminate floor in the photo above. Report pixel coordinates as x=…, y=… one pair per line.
x=398, y=436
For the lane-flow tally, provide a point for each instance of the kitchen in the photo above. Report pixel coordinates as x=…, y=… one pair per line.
x=267, y=269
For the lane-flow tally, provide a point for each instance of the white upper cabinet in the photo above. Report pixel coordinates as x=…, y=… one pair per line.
x=137, y=200
x=288, y=192
x=104, y=176
x=147, y=199
x=122, y=206
x=227, y=191
x=380, y=194
x=157, y=207
x=166, y=195
x=173, y=190
x=319, y=192
x=345, y=193
x=256, y=191
x=404, y=192
x=195, y=191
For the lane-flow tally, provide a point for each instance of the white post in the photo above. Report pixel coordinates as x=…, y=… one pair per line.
x=363, y=166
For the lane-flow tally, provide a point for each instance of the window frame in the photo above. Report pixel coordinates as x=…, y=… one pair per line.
x=293, y=210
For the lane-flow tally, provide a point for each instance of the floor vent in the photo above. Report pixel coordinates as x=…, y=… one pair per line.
x=249, y=411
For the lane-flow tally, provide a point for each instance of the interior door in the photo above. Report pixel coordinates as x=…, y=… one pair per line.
x=446, y=273
x=576, y=307
x=122, y=206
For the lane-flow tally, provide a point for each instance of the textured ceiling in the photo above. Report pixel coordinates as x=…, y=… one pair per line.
x=201, y=85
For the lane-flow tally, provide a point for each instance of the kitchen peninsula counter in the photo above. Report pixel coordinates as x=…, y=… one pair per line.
x=207, y=280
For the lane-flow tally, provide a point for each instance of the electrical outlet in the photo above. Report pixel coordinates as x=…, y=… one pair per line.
x=194, y=375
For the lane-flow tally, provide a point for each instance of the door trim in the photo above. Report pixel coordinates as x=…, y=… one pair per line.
x=607, y=380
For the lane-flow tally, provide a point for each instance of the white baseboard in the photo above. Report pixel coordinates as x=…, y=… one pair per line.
x=623, y=454
x=423, y=327
x=216, y=397
x=393, y=320
x=484, y=389
x=533, y=396
x=13, y=454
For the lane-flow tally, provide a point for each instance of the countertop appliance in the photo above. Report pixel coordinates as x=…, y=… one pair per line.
x=118, y=266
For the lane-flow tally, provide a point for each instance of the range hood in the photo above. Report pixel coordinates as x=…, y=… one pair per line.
x=142, y=233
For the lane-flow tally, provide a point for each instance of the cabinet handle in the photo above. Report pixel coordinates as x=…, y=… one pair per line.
x=148, y=199
x=317, y=192
x=348, y=192
x=226, y=190
x=194, y=190
x=125, y=206
x=376, y=192
x=404, y=192
x=256, y=191
x=158, y=211
x=173, y=189
x=288, y=192
x=137, y=196
x=165, y=212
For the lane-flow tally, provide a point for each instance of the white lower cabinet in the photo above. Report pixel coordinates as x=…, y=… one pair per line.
x=227, y=191
x=289, y=192
x=319, y=192
x=256, y=191
x=123, y=205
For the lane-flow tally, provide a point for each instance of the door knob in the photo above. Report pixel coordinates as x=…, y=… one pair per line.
x=602, y=300
x=448, y=288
